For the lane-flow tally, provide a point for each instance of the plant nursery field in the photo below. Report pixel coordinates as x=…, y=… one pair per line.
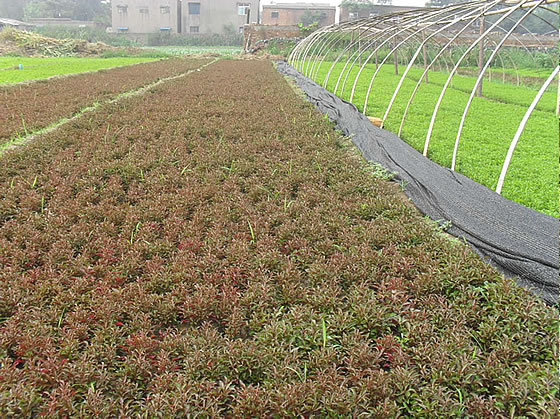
x=215, y=248
x=197, y=49
x=26, y=108
x=492, y=122
x=41, y=68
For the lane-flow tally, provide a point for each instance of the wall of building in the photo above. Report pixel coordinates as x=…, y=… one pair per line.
x=256, y=36
x=219, y=16
x=144, y=16
x=293, y=16
x=376, y=10
x=185, y=16
x=256, y=33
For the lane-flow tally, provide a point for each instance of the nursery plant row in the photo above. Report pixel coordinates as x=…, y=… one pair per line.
x=217, y=249
x=28, y=107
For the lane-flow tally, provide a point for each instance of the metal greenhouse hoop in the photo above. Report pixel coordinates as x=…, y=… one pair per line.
x=436, y=39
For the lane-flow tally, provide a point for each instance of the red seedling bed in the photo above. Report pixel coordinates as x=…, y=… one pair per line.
x=27, y=107
x=215, y=248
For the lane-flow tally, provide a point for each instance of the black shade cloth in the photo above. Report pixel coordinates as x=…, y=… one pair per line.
x=519, y=241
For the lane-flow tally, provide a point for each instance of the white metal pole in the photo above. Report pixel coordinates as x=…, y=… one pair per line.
x=521, y=128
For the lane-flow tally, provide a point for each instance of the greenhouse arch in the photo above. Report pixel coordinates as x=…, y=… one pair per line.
x=483, y=39
x=468, y=97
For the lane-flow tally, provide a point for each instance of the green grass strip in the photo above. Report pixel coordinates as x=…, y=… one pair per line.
x=41, y=68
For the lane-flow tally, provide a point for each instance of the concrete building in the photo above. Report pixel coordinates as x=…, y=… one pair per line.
x=183, y=16
x=294, y=13
x=12, y=23
x=353, y=13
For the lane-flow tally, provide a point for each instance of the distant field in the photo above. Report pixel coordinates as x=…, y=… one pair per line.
x=41, y=68
x=183, y=50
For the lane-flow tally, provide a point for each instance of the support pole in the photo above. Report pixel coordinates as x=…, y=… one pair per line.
x=558, y=99
x=481, y=57
x=424, y=50
x=396, y=56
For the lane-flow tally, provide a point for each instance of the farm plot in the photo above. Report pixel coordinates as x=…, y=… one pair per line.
x=219, y=250
x=28, y=107
x=494, y=119
x=41, y=68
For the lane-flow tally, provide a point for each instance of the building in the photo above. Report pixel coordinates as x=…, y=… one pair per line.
x=295, y=13
x=183, y=16
x=12, y=23
x=348, y=12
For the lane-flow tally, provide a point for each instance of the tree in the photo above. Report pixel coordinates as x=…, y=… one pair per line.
x=315, y=16
x=74, y=9
x=355, y=5
x=12, y=9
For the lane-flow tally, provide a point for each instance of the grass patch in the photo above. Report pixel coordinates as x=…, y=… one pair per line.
x=42, y=68
x=492, y=122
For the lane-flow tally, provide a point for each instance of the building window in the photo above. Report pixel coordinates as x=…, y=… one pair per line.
x=165, y=10
x=144, y=10
x=194, y=29
x=241, y=29
x=123, y=29
x=122, y=9
x=353, y=15
x=165, y=29
x=275, y=15
x=194, y=9
x=243, y=9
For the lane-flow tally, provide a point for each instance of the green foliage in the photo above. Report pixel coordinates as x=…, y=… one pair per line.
x=11, y=9
x=280, y=47
x=40, y=68
x=313, y=17
x=305, y=30
x=167, y=39
x=89, y=34
x=532, y=178
x=195, y=49
x=75, y=9
x=356, y=5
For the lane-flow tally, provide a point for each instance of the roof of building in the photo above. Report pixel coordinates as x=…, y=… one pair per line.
x=13, y=22
x=312, y=6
